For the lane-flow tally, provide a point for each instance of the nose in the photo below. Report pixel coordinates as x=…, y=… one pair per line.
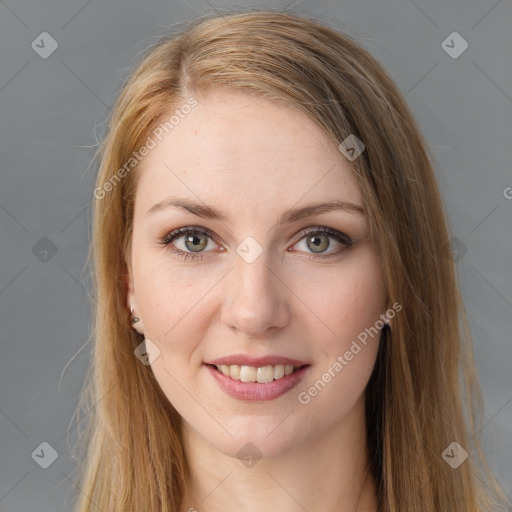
x=256, y=298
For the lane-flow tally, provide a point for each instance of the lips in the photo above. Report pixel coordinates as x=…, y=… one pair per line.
x=255, y=391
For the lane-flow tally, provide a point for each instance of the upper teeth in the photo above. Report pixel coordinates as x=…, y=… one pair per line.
x=262, y=374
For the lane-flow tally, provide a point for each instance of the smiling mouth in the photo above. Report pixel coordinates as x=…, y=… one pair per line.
x=262, y=374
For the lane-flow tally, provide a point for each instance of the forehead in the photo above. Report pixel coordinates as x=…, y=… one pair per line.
x=245, y=153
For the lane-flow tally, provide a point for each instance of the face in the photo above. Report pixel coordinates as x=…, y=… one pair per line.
x=254, y=283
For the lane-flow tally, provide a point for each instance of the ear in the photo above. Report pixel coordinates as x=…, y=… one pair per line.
x=131, y=298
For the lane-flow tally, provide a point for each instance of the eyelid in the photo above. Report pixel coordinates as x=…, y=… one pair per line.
x=341, y=238
x=175, y=233
x=345, y=239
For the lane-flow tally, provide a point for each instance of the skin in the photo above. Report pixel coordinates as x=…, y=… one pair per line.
x=254, y=159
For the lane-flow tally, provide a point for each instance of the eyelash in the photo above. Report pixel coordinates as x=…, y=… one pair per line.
x=344, y=239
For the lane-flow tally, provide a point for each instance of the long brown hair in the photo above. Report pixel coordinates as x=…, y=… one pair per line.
x=416, y=405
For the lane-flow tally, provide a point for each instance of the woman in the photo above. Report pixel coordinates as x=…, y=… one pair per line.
x=277, y=315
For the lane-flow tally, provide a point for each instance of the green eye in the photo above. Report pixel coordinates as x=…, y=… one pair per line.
x=196, y=239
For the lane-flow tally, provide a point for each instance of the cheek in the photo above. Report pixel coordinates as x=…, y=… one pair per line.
x=351, y=306
x=348, y=298
x=169, y=298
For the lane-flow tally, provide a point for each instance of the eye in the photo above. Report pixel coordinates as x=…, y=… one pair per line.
x=196, y=240
x=318, y=241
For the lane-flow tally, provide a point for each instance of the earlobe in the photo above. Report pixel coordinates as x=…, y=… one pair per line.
x=131, y=302
x=136, y=322
x=135, y=319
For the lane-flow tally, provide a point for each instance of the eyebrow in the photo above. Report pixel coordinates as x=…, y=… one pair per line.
x=208, y=212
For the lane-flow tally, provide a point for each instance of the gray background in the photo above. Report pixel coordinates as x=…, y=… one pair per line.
x=54, y=110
